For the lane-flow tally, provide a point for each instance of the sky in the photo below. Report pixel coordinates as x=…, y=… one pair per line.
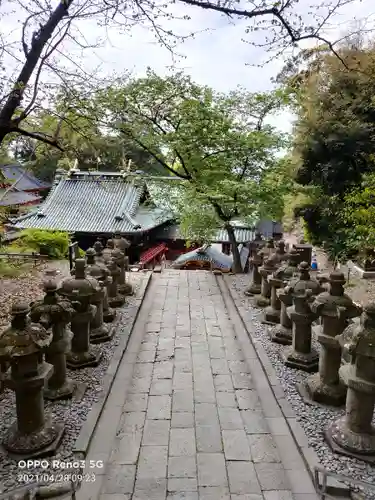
x=215, y=57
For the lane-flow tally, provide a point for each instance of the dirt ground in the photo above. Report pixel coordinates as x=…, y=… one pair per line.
x=361, y=291
x=27, y=286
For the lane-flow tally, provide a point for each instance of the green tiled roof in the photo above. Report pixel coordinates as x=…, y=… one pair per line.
x=88, y=203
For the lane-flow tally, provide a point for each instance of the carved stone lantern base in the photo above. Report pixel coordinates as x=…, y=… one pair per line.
x=125, y=289
x=101, y=334
x=42, y=443
x=281, y=335
x=346, y=442
x=117, y=301
x=314, y=392
x=76, y=360
x=261, y=301
x=109, y=315
x=308, y=362
x=271, y=316
x=253, y=289
x=331, y=395
x=64, y=392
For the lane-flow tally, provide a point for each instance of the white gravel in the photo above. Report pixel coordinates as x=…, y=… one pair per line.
x=73, y=413
x=312, y=418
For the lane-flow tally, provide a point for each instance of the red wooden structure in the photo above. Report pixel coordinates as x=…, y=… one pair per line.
x=152, y=253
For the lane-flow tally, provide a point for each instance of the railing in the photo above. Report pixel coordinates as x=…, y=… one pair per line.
x=327, y=492
x=36, y=257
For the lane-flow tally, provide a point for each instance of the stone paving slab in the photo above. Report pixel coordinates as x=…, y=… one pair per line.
x=192, y=423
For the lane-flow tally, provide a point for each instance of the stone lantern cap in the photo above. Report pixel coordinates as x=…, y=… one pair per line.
x=271, y=262
x=52, y=305
x=97, y=270
x=80, y=285
x=334, y=298
x=23, y=338
x=98, y=247
x=120, y=241
x=110, y=244
x=117, y=254
x=302, y=283
x=363, y=341
x=292, y=257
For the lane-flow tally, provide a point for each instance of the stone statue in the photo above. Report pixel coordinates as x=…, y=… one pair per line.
x=256, y=279
x=123, y=287
x=114, y=298
x=334, y=308
x=22, y=344
x=81, y=290
x=269, y=267
x=282, y=334
x=301, y=355
x=56, y=313
x=353, y=434
x=99, y=332
x=100, y=272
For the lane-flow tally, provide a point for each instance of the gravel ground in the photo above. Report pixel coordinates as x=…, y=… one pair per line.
x=312, y=418
x=73, y=413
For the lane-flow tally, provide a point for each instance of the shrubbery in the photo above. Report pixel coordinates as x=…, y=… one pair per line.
x=55, y=244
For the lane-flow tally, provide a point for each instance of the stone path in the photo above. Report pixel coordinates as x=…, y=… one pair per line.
x=186, y=419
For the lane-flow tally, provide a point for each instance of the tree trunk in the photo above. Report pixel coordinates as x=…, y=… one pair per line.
x=237, y=266
x=33, y=56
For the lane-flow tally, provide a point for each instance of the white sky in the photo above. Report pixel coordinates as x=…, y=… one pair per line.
x=217, y=58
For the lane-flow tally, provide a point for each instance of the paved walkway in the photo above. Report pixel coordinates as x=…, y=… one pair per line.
x=191, y=424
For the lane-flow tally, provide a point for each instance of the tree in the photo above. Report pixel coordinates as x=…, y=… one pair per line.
x=224, y=156
x=334, y=136
x=46, y=28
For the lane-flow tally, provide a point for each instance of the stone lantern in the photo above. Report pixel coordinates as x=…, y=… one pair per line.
x=269, y=248
x=123, y=287
x=107, y=252
x=282, y=334
x=22, y=344
x=256, y=279
x=256, y=244
x=56, y=313
x=114, y=298
x=353, y=434
x=301, y=355
x=81, y=290
x=98, y=247
x=100, y=272
x=120, y=242
x=280, y=251
x=99, y=332
x=335, y=309
x=269, y=267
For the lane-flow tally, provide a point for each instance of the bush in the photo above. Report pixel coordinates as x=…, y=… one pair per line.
x=55, y=244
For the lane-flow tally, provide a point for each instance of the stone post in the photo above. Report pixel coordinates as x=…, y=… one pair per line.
x=269, y=266
x=99, y=332
x=256, y=244
x=334, y=309
x=123, y=287
x=81, y=290
x=56, y=313
x=100, y=272
x=272, y=312
x=283, y=334
x=256, y=278
x=354, y=434
x=114, y=299
x=301, y=355
x=22, y=344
